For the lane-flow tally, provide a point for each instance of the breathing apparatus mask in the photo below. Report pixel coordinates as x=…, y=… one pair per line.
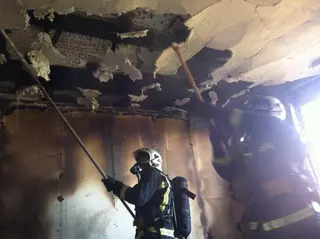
x=145, y=158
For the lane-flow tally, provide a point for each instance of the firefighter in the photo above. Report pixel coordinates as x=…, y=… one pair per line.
x=267, y=169
x=152, y=196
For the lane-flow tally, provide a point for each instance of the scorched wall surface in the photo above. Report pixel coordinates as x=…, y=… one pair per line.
x=40, y=161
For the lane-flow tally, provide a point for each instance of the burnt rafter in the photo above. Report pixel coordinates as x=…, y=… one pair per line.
x=66, y=81
x=109, y=29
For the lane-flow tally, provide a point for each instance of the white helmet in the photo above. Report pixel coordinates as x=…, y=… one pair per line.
x=148, y=155
x=267, y=105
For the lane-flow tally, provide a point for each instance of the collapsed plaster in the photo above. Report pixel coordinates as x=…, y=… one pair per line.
x=135, y=105
x=111, y=63
x=48, y=12
x=182, y=102
x=43, y=54
x=38, y=47
x=137, y=98
x=156, y=86
x=40, y=63
x=258, y=41
x=44, y=13
x=142, y=58
x=89, y=94
x=33, y=91
x=266, y=36
x=91, y=98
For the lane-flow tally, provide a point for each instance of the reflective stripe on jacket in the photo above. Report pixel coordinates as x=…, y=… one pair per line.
x=163, y=232
x=152, y=197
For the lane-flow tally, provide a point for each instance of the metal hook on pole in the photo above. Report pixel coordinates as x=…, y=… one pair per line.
x=32, y=72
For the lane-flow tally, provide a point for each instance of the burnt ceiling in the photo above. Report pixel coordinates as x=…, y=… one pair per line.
x=119, y=56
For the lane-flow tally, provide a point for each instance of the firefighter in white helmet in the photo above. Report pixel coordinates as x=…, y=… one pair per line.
x=266, y=167
x=152, y=196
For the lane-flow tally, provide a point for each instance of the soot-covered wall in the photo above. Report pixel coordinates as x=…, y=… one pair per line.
x=40, y=161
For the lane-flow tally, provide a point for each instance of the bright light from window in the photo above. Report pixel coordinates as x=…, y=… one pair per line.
x=311, y=117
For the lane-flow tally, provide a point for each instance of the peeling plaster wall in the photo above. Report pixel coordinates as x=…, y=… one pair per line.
x=41, y=161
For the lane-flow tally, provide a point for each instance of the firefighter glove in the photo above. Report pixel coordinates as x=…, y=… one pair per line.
x=109, y=183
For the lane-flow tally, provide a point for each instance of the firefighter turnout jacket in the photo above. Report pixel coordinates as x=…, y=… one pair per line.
x=266, y=162
x=152, y=197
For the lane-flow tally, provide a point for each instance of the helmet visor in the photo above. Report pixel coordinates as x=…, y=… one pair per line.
x=141, y=156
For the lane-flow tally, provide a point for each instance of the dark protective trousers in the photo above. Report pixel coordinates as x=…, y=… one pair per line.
x=306, y=229
x=151, y=235
x=155, y=236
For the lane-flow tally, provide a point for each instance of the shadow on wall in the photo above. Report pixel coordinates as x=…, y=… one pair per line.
x=30, y=173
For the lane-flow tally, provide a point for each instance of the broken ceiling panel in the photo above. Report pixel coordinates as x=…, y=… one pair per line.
x=42, y=54
x=32, y=39
x=12, y=17
x=271, y=61
x=148, y=59
x=130, y=52
x=23, y=40
x=110, y=63
x=163, y=28
x=206, y=25
x=134, y=99
x=44, y=45
x=80, y=49
x=258, y=41
x=141, y=57
x=261, y=34
x=204, y=62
